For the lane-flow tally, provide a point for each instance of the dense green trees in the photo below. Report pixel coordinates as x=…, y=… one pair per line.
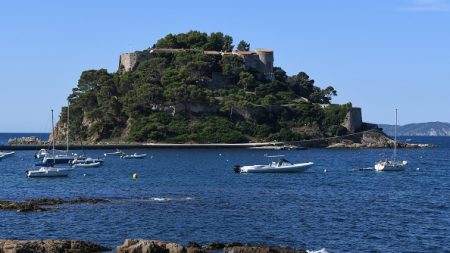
x=243, y=46
x=191, y=96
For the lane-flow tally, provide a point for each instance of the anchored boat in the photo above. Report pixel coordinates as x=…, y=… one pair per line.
x=133, y=156
x=392, y=165
x=280, y=166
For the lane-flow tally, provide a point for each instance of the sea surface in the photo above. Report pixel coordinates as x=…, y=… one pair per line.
x=185, y=195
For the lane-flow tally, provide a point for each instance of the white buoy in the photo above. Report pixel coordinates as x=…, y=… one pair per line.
x=325, y=170
x=418, y=169
x=84, y=174
x=135, y=176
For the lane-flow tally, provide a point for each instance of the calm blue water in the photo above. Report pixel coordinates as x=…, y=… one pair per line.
x=193, y=195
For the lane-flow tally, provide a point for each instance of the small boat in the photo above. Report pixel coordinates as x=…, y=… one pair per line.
x=49, y=172
x=86, y=160
x=281, y=166
x=117, y=153
x=392, y=165
x=5, y=154
x=86, y=163
x=41, y=154
x=133, y=156
x=59, y=159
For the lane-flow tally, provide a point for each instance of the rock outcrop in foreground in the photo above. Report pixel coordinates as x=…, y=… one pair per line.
x=35, y=246
x=154, y=246
x=38, y=205
x=134, y=246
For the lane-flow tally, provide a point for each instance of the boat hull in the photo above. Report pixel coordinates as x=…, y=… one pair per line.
x=294, y=168
x=49, y=172
x=135, y=156
x=87, y=165
x=118, y=153
x=390, y=166
x=5, y=154
x=58, y=159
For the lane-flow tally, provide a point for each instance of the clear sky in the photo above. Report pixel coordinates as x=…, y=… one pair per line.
x=378, y=54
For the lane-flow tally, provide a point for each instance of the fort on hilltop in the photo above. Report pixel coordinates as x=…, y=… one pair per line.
x=260, y=60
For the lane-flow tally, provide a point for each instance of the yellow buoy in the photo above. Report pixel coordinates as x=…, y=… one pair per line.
x=135, y=176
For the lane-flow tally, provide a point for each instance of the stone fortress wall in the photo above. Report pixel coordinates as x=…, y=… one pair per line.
x=260, y=60
x=353, y=120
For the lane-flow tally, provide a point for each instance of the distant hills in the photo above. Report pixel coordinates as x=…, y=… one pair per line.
x=419, y=129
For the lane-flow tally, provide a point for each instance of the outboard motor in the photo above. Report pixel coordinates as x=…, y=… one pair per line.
x=237, y=168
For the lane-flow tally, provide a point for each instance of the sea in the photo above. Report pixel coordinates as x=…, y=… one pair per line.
x=184, y=195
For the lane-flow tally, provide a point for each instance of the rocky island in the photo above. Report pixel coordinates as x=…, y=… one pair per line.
x=195, y=88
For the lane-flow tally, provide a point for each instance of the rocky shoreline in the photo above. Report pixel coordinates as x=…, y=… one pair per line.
x=374, y=138
x=135, y=246
x=45, y=204
x=57, y=246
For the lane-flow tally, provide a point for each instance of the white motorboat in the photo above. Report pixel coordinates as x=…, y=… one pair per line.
x=392, y=165
x=5, y=154
x=49, y=172
x=86, y=160
x=117, y=153
x=86, y=163
x=281, y=166
x=133, y=156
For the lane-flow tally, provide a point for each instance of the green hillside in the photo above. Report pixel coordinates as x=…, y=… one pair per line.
x=191, y=96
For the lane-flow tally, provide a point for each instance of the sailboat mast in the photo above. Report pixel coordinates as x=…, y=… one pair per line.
x=395, y=136
x=53, y=136
x=67, y=133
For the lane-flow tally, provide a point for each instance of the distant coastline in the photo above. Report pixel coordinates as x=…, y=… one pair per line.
x=418, y=129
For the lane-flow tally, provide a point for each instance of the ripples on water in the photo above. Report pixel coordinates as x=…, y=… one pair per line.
x=193, y=195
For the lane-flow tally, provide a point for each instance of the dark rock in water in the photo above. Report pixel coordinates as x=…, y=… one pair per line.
x=150, y=246
x=215, y=246
x=193, y=247
x=35, y=246
x=232, y=244
x=154, y=246
x=38, y=205
x=261, y=249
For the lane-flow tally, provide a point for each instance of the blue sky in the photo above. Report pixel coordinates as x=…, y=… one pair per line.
x=378, y=54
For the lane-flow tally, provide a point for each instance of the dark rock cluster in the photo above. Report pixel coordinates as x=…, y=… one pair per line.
x=37, y=205
x=155, y=246
x=57, y=246
x=134, y=246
